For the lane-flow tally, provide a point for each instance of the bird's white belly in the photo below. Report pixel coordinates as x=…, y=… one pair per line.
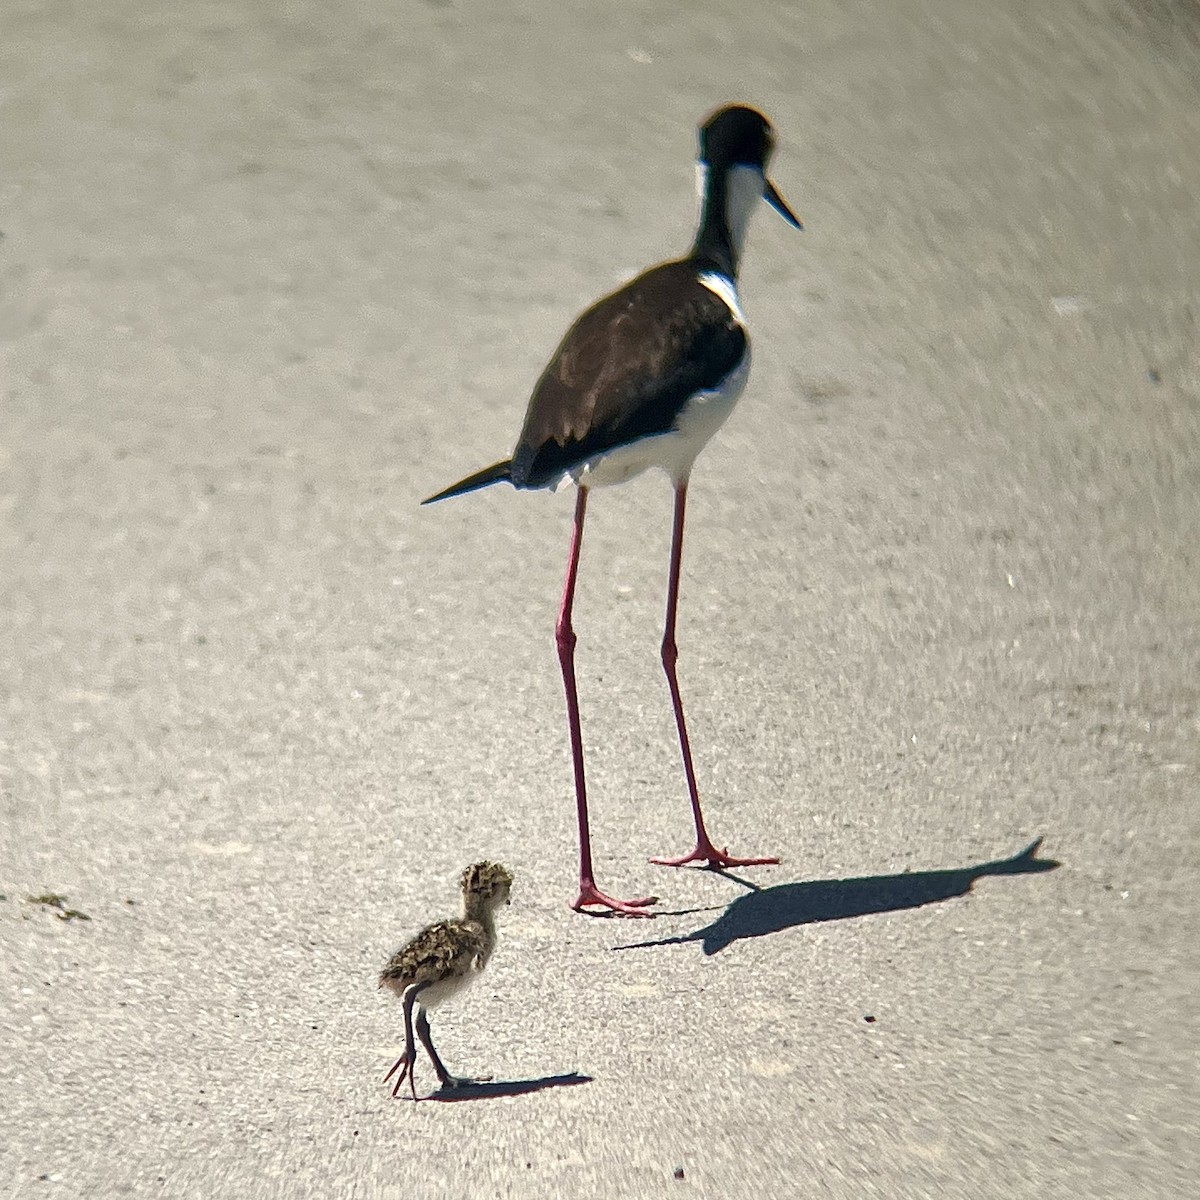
x=434, y=994
x=675, y=451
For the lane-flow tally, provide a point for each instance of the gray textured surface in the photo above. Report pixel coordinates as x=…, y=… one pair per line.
x=270, y=275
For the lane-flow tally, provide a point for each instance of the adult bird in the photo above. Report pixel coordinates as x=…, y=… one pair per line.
x=643, y=379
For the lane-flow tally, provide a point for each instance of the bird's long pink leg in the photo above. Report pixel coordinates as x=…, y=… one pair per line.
x=589, y=894
x=705, y=851
x=406, y=1063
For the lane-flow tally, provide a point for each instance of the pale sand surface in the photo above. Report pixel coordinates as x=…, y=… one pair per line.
x=273, y=273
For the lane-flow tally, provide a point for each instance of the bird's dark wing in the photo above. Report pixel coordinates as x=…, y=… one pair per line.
x=625, y=370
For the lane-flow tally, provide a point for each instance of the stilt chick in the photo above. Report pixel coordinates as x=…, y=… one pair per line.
x=440, y=961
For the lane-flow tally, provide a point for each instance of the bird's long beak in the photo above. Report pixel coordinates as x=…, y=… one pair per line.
x=779, y=204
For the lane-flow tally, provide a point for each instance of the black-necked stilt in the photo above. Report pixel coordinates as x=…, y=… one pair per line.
x=440, y=961
x=643, y=379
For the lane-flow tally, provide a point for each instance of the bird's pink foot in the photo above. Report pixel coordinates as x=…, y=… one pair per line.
x=705, y=852
x=404, y=1064
x=591, y=896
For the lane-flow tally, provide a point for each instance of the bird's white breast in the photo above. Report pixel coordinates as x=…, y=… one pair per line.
x=434, y=994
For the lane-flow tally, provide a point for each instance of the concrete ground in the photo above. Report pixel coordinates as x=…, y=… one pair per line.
x=272, y=273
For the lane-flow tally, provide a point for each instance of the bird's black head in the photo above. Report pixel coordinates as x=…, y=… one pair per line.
x=740, y=136
x=486, y=882
x=736, y=136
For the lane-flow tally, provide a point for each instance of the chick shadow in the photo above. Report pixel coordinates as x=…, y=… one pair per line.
x=507, y=1087
x=772, y=909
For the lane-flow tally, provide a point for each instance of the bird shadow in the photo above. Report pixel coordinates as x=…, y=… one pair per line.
x=766, y=910
x=507, y=1087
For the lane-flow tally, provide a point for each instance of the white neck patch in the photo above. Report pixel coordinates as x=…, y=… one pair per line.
x=743, y=191
x=723, y=286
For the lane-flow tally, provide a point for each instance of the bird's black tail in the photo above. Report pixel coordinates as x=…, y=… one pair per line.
x=500, y=472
